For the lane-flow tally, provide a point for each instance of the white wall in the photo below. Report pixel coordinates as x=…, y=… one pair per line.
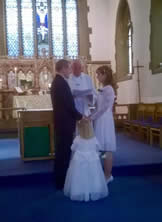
x=102, y=20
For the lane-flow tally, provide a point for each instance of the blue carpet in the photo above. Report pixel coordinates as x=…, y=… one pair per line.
x=134, y=152
x=29, y=195
x=9, y=148
x=131, y=199
x=129, y=151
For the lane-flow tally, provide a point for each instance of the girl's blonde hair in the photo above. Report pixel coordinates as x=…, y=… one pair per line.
x=85, y=129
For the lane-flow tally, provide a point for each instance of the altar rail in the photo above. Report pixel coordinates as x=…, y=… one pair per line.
x=121, y=113
x=8, y=123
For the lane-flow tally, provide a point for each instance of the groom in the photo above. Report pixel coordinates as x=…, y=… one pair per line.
x=65, y=117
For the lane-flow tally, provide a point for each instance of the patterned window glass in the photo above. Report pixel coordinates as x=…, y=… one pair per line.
x=57, y=28
x=42, y=26
x=64, y=27
x=12, y=27
x=130, y=50
x=27, y=27
x=72, y=30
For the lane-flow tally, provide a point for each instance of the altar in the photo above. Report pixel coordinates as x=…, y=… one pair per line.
x=35, y=102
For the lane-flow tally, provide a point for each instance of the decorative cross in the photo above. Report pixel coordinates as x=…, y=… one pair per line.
x=138, y=79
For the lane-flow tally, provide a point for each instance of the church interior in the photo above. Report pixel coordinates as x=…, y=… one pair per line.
x=123, y=34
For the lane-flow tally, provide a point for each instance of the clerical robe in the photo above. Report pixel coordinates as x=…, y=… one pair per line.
x=83, y=91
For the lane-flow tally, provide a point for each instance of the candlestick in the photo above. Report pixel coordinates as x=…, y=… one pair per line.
x=0, y=83
x=16, y=76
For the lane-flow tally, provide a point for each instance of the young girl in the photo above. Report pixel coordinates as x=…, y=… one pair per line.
x=103, y=118
x=85, y=179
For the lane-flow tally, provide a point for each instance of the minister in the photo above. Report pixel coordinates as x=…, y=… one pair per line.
x=82, y=88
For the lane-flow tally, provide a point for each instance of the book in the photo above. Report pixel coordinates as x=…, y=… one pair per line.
x=19, y=90
x=82, y=93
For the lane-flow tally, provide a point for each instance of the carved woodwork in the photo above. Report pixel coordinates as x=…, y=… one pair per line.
x=41, y=70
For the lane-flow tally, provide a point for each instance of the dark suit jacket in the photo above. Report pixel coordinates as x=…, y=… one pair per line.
x=65, y=113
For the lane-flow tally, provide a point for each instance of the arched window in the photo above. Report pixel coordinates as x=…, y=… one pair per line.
x=130, y=51
x=27, y=28
x=34, y=27
x=12, y=27
x=123, y=43
x=156, y=36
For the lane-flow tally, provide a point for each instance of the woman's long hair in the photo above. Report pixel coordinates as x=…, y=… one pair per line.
x=106, y=70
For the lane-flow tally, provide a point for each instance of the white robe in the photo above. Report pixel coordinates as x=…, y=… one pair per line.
x=83, y=91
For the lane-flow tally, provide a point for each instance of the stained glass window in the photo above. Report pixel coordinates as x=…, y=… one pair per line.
x=27, y=27
x=57, y=28
x=12, y=27
x=71, y=28
x=34, y=24
x=42, y=25
x=130, y=50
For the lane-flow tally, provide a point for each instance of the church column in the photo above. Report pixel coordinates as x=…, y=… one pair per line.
x=36, y=76
x=2, y=29
x=84, y=30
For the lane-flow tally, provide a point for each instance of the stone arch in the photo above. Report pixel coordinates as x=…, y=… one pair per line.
x=156, y=36
x=123, y=26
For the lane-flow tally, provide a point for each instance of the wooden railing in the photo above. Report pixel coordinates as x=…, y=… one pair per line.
x=8, y=122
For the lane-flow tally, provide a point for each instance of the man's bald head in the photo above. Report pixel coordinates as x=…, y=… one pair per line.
x=76, y=67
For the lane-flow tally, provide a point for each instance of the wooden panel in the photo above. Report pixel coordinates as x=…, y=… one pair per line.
x=121, y=113
x=34, y=116
x=37, y=142
x=0, y=106
x=31, y=123
x=8, y=124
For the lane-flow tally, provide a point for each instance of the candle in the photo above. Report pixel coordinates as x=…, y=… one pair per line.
x=16, y=76
x=15, y=68
x=0, y=83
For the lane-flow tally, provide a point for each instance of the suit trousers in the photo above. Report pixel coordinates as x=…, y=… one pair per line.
x=63, y=142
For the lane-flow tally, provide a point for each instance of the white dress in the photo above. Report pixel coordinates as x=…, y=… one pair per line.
x=82, y=83
x=85, y=179
x=103, y=119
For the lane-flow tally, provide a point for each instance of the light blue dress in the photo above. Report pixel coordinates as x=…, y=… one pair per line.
x=103, y=119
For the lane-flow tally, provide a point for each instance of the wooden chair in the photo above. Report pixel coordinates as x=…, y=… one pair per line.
x=132, y=116
x=156, y=128
x=134, y=124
